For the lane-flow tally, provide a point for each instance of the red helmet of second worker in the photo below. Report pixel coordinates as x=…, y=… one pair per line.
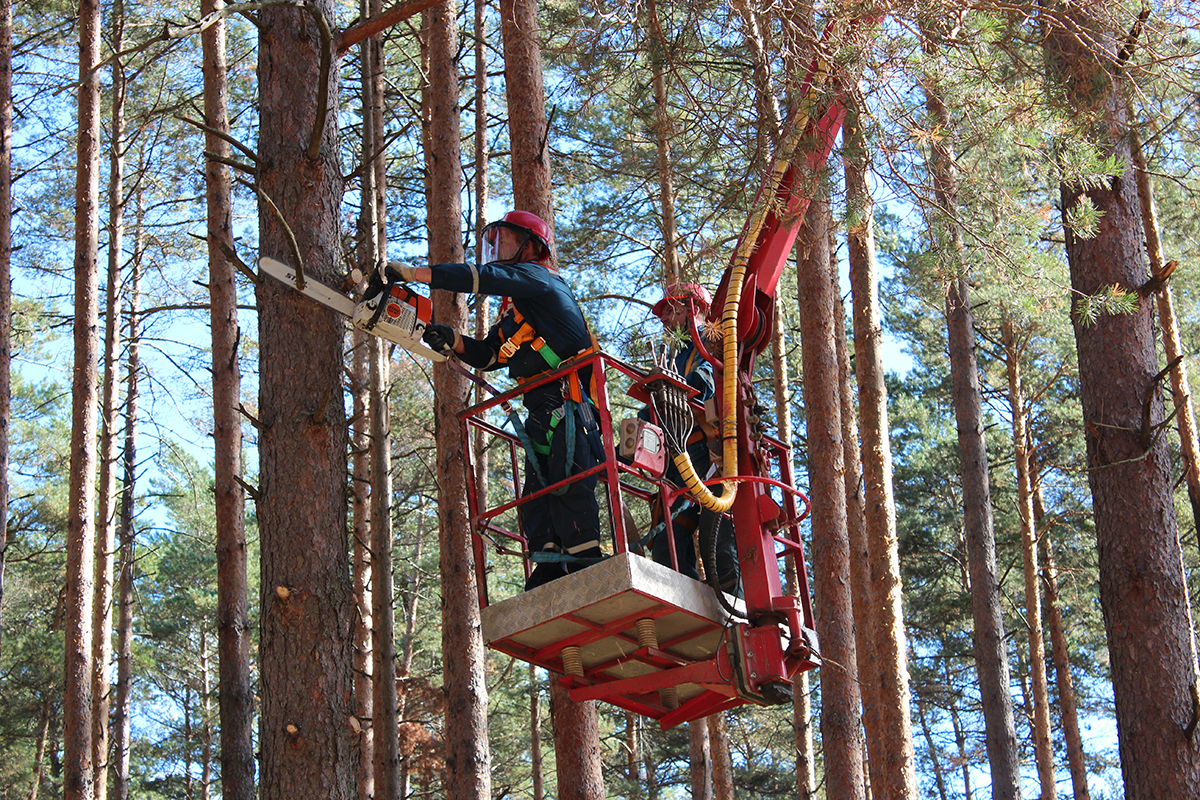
x=681, y=293
x=527, y=226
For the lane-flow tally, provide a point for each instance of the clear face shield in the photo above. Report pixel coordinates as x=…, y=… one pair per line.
x=503, y=241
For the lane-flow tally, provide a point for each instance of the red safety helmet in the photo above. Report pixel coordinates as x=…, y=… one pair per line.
x=684, y=292
x=528, y=225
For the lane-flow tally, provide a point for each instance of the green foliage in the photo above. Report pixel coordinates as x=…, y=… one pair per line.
x=1111, y=300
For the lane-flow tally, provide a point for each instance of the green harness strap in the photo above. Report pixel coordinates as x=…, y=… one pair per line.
x=567, y=411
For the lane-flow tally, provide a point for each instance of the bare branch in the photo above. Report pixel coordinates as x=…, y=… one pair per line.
x=314, y=142
x=369, y=27
x=253, y=156
x=287, y=230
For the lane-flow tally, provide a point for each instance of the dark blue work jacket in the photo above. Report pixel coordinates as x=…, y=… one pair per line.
x=542, y=297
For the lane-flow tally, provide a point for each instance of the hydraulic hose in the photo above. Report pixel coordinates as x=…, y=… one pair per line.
x=767, y=201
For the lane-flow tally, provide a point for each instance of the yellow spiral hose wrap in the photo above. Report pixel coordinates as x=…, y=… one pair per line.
x=767, y=200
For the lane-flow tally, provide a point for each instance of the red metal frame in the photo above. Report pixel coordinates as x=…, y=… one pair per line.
x=766, y=528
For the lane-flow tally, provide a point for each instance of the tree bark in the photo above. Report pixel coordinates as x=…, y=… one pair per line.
x=6, y=128
x=1181, y=396
x=889, y=735
x=1143, y=591
x=576, y=725
x=235, y=695
x=699, y=754
x=307, y=743
x=1042, y=746
x=722, y=760
x=468, y=758
x=840, y=702
x=107, y=484
x=126, y=535
x=1076, y=760
x=991, y=660
x=78, y=766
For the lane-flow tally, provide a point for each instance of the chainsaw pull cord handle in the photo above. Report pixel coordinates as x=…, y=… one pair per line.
x=392, y=279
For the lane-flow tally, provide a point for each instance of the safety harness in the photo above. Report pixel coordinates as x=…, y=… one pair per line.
x=572, y=389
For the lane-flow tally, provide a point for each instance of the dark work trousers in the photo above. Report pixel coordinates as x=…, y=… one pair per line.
x=686, y=516
x=567, y=520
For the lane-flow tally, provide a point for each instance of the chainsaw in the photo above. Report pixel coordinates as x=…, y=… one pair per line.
x=396, y=314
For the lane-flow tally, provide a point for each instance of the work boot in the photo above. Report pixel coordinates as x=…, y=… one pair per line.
x=544, y=573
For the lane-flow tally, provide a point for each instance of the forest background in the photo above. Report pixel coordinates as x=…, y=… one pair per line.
x=659, y=122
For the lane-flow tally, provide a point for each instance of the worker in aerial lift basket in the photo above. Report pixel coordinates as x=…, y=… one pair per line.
x=540, y=324
x=684, y=308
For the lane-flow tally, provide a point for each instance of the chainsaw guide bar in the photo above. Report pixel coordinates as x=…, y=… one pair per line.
x=402, y=322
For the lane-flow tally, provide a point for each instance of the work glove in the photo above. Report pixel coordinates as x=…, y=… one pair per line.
x=441, y=338
x=406, y=271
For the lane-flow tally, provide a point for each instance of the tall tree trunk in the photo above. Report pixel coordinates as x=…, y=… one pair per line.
x=482, y=193
x=361, y=561
x=860, y=565
x=1076, y=761
x=801, y=696
x=369, y=252
x=960, y=736
x=938, y=777
x=576, y=725
x=1143, y=591
x=383, y=616
x=535, y=734
x=308, y=746
x=126, y=534
x=107, y=485
x=1172, y=345
x=991, y=660
x=889, y=735
x=1042, y=747
x=468, y=758
x=840, y=702
x=527, y=123
x=235, y=697
x=699, y=753
x=6, y=126
x=722, y=758
x=385, y=745
x=205, y=720
x=43, y=737
x=663, y=131
x=81, y=522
